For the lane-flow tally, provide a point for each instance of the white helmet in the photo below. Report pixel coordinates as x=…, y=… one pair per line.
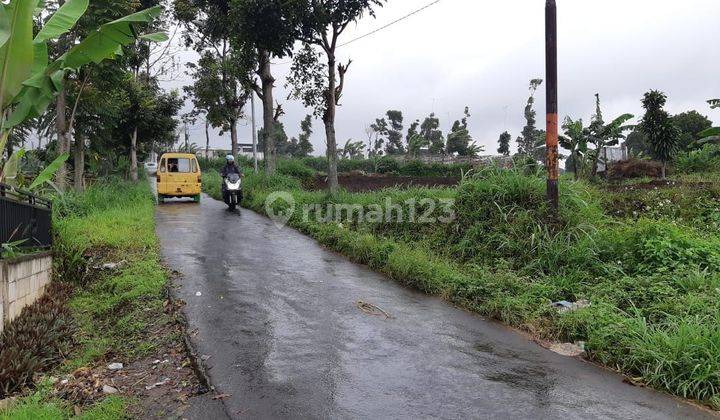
x=230, y=158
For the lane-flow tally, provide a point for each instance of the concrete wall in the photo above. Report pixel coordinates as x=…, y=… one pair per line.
x=22, y=281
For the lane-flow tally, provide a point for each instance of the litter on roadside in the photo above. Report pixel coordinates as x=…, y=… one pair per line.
x=372, y=309
x=112, y=266
x=568, y=349
x=115, y=366
x=565, y=306
x=157, y=384
x=109, y=390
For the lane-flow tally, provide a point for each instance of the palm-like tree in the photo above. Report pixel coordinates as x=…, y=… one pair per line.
x=576, y=141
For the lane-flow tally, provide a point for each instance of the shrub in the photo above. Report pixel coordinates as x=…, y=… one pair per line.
x=386, y=165
x=318, y=163
x=706, y=159
x=297, y=169
x=36, y=340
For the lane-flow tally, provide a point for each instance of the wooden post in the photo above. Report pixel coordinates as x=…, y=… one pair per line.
x=551, y=140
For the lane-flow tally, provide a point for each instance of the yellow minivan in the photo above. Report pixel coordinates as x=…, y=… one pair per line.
x=178, y=175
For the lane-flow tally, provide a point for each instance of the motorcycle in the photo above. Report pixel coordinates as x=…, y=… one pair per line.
x=232, y=193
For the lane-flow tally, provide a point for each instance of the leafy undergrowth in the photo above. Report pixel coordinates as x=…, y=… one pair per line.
x=653, y=282
x=36, y=340
x=119, y=310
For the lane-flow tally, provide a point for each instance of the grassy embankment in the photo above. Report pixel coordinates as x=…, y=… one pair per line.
x=113, y=311
x=647, y=260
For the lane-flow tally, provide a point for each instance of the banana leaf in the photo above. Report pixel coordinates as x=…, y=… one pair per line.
x=106, y=42
x=16, y=55
x=49, y=172
x=12, y=168
x=5, y=26
x=710, y=132
x=62, y=21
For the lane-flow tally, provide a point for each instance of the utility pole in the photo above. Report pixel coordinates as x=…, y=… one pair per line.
x=551, y=140
x=254, y=131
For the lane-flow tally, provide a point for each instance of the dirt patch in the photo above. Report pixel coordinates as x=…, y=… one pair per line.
x=361, y=182
x=635, y=168
x=159, y=386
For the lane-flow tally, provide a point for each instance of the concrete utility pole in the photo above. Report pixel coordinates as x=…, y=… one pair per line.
x=551, y=140
x=254, y=131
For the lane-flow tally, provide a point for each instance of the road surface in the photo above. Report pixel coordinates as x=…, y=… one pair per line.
x=279, y=330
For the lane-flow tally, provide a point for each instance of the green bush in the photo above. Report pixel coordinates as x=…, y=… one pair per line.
x=297, y=169
x=706, y=159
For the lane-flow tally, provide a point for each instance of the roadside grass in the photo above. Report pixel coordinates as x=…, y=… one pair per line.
x=114, y=309
x=41, y=405
x=653, y=278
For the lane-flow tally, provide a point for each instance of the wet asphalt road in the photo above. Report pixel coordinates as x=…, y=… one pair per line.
x=277, y=317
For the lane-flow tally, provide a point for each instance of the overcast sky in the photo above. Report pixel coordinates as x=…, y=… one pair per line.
x=482, y=54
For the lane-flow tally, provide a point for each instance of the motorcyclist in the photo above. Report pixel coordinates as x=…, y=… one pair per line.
x=230, y=167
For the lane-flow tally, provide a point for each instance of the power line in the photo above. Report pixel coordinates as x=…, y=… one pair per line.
x=390, y=24
x=378, y=29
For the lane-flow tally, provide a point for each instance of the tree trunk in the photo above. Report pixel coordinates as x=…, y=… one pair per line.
x=596, y=161
x=267, y=80
x=233, y=138
x=575, y=165
x=133, y=156
x=79, y=164
x=63, y=142
x=207, y=139
x=329, y=120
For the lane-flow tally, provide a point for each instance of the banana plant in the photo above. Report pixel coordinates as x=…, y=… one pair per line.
x=576, y=141
x=711, y=135
x=28, y=81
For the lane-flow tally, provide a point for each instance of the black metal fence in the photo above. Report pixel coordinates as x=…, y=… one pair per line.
x=25, y=219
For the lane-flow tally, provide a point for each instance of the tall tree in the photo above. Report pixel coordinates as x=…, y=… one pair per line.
x=430, y=131
x=266, y=29
x=504, y=144
x=459, y=139
x=526, y=142
x=657, y=125
x=690, y=124
x=323, y=22
x=223, y=69
x=379, y=129
x=304, y=147
x=414, y=140
x=395, y=144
